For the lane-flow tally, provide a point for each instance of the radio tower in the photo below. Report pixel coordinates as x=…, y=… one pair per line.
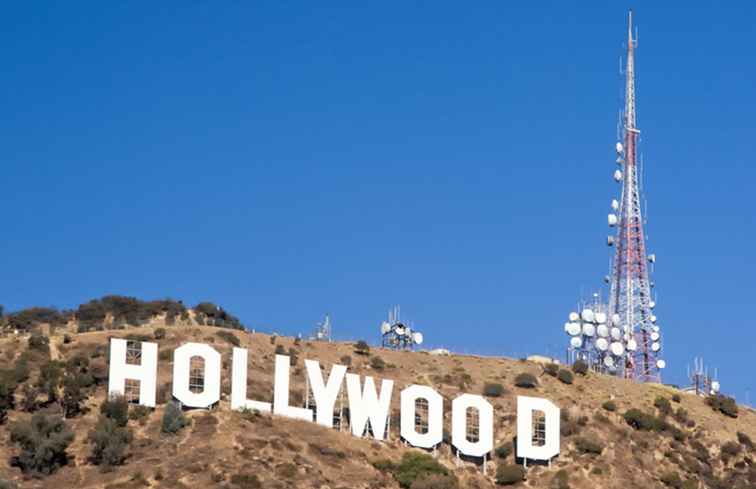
x=630, y=289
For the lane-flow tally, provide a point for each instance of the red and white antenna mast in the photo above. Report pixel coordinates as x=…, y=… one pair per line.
x=630, y=300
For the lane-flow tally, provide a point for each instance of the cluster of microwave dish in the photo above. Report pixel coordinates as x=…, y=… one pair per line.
x=399, y=335
x=594, y=332
x=613, y=219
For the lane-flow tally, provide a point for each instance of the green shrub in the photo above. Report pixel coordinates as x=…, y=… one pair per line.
x=346, y=360
x=377, y=363
x=551, y=369
x=40, y=343
x=676, y=398
x=509, y=474
x=526, y=380
x=384, y=465
x=26, y=319
x=73, y=395
x=589, y=446
x=117, y=409
x=280, y=350
x=42, y=441
x=173, y=419
x=580, y=367
x=491, y=389
x=229, y=337
x=610, y=406
x=504, y=450
x=159, y=333
x=109, y=443
x=725, y=405
x=362, y=348
x=643, y=421
x=414, y=466
x=565, y=376
x=139, y=413
x=663, y=405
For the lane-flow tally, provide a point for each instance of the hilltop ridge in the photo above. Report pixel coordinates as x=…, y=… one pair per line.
x=615, y=433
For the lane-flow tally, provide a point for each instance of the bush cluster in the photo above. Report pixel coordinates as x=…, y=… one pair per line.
x=42, y=441
x=377, y=363
x=565, y=376
x=362, y=348
x=417, y=470
x=725, y=405
x=504, y=450
x=648, y=422
x=509, y=474
x=526, y=380
x=210, y=314
x=173, y=419
x=589, y=446
x=551, y=369
x=663, y=405
x=580, y=367
x=26, y=319
x=493, y=389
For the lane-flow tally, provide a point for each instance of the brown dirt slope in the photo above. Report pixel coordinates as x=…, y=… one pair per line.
x=227, y=449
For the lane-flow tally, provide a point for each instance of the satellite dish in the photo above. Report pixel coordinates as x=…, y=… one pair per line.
x=653, y=318
x=714, y=385
x=609, y=361
x=617, y=349
x=602, y=330
x=652, y=304
x=615, y=204
x=617, y=176
x=652, y=258
x=655, y=328
x=573, y=329
x=655, y=346
x=602, y=344
x=600, y=317
x=616, y=319
x=589, y=329
x=618, y=147
x=417, y=337
x=612, y=220
x=385, y=327
x=632, y=345
x=574, y=316
x=655, y=336
x=576, y=341
x=660, y=364
x=587, y=315
x=616, y=334
x=609, y=242
x=399, y=330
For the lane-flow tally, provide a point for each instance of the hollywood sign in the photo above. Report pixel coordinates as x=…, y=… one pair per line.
x=366, y=404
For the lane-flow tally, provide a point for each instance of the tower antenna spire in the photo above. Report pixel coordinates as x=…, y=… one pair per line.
x=630, y=288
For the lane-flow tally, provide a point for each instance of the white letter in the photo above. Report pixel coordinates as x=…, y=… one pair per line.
x=525, y=447
x=460, y=406
x=239, y=384
x=367, y=405
x=435, y=434
x=145, y=373
x=281, y=392
x=182, y=357
x=325, y=395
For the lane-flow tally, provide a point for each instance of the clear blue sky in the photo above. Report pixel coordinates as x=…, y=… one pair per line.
x=287, y=160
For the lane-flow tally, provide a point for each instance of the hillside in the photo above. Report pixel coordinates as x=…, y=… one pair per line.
x=221, y=448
